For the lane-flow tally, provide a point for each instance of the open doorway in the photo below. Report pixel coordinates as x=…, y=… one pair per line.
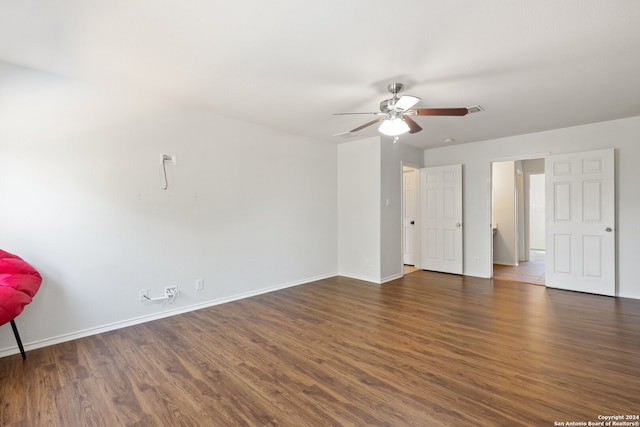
x=410, y=231
x=518, y=220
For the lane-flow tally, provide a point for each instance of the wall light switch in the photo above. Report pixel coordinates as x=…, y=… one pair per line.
x=199, y=284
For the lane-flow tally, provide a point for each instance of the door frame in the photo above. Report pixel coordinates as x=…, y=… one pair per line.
x=498, y=160
x=417, y=246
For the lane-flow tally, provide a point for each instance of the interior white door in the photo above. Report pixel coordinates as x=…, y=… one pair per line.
x=441, y=218
x=409, y=210
x=580, y=222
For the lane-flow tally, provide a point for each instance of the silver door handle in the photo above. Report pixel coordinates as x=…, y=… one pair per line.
x=608, y=230
x=458, y=224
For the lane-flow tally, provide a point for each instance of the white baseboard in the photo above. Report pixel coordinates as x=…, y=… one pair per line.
x=390, y=278
x=363, y=278
x=372, y=280
x=148, y=318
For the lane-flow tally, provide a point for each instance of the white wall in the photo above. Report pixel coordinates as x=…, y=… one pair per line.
x=370, y=207
x=521, y=206
x=536, y=212
x=392, y=158
x=534, y=206
x=504, y=213
x=359, y=209
x=248, y=209
x=623, y=135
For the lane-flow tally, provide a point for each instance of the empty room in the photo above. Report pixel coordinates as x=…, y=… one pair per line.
x=313, y=213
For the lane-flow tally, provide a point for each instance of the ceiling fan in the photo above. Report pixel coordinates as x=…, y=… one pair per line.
x=395, y=113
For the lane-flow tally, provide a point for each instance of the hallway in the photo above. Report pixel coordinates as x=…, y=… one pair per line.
x=531, y=271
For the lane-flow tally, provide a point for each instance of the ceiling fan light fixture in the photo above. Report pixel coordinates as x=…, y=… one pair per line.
x=395, y=116
x=394, y=127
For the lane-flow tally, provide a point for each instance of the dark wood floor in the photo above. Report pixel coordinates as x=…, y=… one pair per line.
x=427, y=350
x=532, y=271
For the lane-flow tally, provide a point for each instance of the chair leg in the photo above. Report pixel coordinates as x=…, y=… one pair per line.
x=15, y=332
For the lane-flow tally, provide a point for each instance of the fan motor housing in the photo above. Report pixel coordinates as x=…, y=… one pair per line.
x=385, y=106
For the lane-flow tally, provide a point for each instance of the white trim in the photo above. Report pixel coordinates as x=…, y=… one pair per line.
x=363, y=278
x=156, y=316
x=390, y=278
x=371, y=280
x=544, y=156
x=417, y=244
x=522, y=157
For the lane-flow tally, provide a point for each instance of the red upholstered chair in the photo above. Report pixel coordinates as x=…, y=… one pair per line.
x=19, y=282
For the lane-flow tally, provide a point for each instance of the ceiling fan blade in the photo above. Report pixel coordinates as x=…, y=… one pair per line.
x=440, y=111
x=413, y=126
x=372, y=122
x=348, y=114
x=405, y=102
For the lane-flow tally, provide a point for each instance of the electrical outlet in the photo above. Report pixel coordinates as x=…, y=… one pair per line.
x=199, y=284
x=171, y=291
x=144, y=295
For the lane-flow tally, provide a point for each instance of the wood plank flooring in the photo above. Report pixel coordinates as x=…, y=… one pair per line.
x=426, y=350
x=532, y=271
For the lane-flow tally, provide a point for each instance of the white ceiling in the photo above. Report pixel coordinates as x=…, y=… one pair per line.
x=533, y=65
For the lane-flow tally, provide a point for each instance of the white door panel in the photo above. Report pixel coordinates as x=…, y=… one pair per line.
x=441, y=218
x=409, y=213
x=581, y=222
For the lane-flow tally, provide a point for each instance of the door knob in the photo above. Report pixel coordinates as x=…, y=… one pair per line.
x=608, y=230
x=458, y=224
x=412, y=222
